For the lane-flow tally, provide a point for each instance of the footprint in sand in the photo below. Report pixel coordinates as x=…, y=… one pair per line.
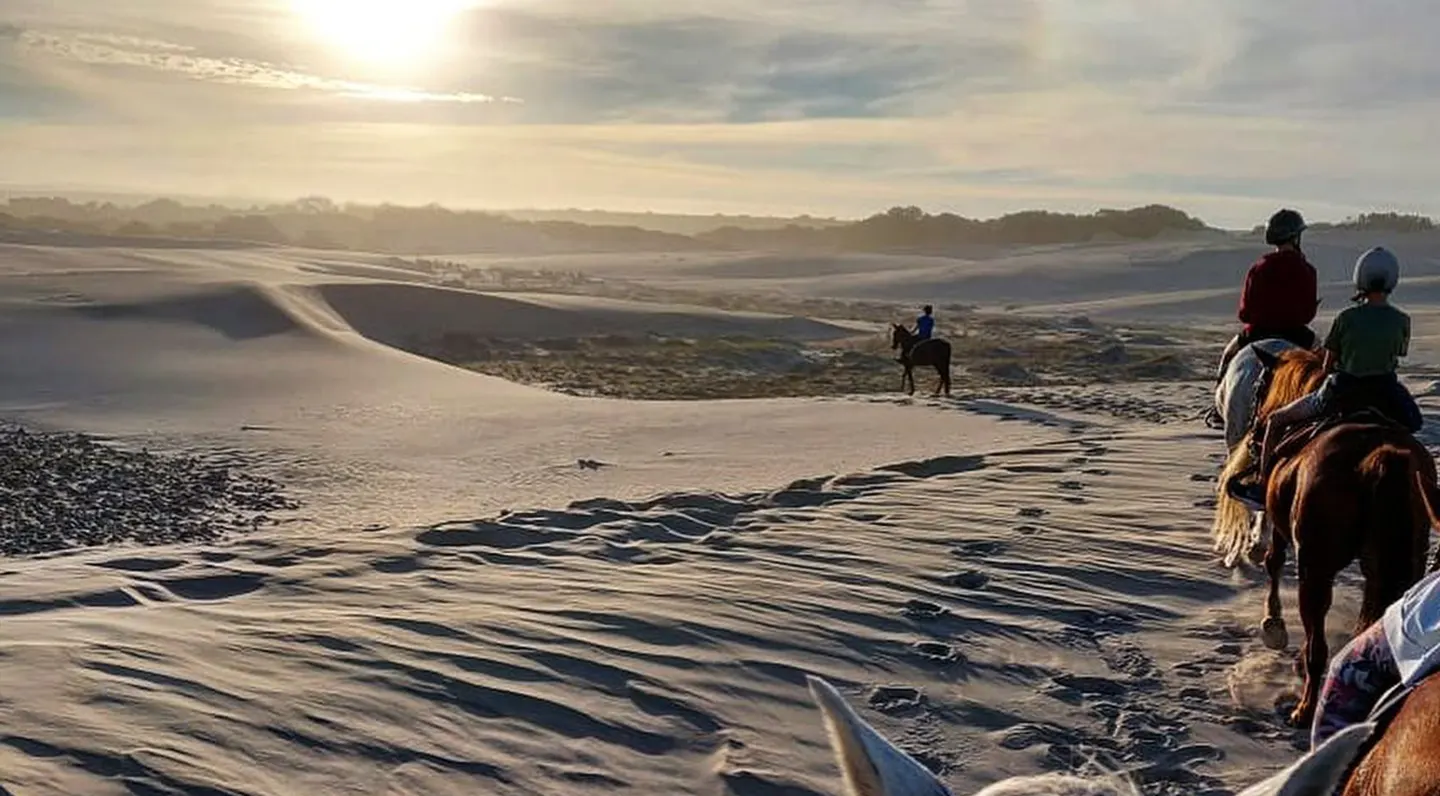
x=1100, y=471
x=896, y=698
x=938, y=653
x=923, y=610
x=1031, y=512
x=977, y=548
x=1070, y=486
x=969, y=579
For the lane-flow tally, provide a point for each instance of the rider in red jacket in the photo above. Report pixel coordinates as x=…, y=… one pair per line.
x=1279, y=299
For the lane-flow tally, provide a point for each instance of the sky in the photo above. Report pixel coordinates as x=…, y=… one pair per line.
x=1228, y=109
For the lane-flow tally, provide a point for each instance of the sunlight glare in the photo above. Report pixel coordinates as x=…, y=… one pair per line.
x=381, y=32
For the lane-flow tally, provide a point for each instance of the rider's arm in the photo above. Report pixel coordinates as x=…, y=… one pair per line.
x=1310, y=289
x=1250, y=297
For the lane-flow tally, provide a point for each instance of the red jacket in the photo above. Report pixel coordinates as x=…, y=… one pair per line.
x=1280, y=292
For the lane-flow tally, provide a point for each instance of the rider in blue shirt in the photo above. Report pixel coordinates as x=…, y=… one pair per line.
x=925, y=324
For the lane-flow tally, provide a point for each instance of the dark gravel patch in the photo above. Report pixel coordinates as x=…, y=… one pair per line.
x=61, y=491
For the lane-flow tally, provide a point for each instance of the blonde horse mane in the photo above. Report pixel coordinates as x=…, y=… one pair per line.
x=1297, y=373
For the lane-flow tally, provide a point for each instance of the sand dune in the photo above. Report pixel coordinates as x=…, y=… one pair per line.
x=1168, y=280
x=491, y=588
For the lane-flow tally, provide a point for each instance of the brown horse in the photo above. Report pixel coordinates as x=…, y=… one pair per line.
x=914, y=351
x=1355, y=490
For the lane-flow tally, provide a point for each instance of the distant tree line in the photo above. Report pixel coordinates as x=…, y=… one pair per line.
x=317, y=222
x=1375, y=222
x=910, y=228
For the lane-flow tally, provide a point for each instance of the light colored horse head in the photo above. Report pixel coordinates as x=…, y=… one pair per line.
x=1235, y=394
x=873, y=766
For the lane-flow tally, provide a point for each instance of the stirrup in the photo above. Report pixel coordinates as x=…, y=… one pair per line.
x=1235, y=489
x=1213, y=420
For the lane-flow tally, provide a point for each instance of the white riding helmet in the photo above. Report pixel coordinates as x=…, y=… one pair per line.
x=1377, y=270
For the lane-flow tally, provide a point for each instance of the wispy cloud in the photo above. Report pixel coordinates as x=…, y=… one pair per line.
x=114, y=50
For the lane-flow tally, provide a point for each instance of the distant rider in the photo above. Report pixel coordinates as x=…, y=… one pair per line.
x=1280, y=296
x=925, y=324
x=1399, y=650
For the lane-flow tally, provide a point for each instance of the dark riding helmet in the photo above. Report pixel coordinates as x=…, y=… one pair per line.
x=928, y=309
x=1284, y=227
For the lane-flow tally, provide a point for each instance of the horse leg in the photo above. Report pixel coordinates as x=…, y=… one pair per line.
x=944, y=368
x=1272, y=629
x=940, y=380
x=909, y=379
x=1316, y=592
x=1262, y=534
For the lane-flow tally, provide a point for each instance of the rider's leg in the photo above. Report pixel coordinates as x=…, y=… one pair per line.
x=1408, y=410
x=1306, y=407
x=1359, y=675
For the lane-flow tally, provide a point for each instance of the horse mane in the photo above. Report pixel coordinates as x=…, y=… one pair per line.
x=1062, y=785
x=1298, y=372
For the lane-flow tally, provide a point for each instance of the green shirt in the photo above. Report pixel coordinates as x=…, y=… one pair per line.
x=1369, y=339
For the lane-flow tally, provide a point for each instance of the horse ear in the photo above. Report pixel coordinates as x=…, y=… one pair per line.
x=870, y=764
x=1267, y=359
x=1320, y=772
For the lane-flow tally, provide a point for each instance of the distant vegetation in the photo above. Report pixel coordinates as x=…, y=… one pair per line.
x=1375, y=222
x=319, y=223
x=672, y=222
x=912, y=229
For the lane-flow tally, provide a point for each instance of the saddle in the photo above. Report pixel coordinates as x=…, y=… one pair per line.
x=1301, y=434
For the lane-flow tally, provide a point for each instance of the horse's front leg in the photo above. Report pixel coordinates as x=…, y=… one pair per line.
x=1272, y=629
x=1262, y=535
x=1316, y=593
x=907, y=381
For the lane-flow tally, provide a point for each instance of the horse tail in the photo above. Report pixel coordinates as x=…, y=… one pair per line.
x=1398, y=521
x=1231, y=526
x=1430, y=498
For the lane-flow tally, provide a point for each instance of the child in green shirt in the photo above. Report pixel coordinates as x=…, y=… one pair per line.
x=1362, y=351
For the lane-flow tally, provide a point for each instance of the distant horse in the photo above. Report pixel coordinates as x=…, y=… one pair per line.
x=1247, y=380
x=871, y=765
x=1356, y=489
x=914, y=351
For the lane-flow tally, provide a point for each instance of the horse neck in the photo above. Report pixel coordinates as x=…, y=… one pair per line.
x=1296, y=376
x=1405, y=751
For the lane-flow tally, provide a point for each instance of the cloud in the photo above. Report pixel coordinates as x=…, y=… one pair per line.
x=828, y=106
x=115, y=50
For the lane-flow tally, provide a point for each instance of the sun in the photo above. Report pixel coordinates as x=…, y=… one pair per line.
x=381, y=32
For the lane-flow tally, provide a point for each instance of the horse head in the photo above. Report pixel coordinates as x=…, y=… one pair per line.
x=899, y=335
x=873, y=766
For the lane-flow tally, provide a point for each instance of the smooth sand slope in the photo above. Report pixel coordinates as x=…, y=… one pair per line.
x=250, y=349
x=1008, y=588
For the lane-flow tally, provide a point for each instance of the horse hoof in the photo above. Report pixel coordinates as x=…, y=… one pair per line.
x=1256, y=554
x=1302, y=715
x=1273, y=633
